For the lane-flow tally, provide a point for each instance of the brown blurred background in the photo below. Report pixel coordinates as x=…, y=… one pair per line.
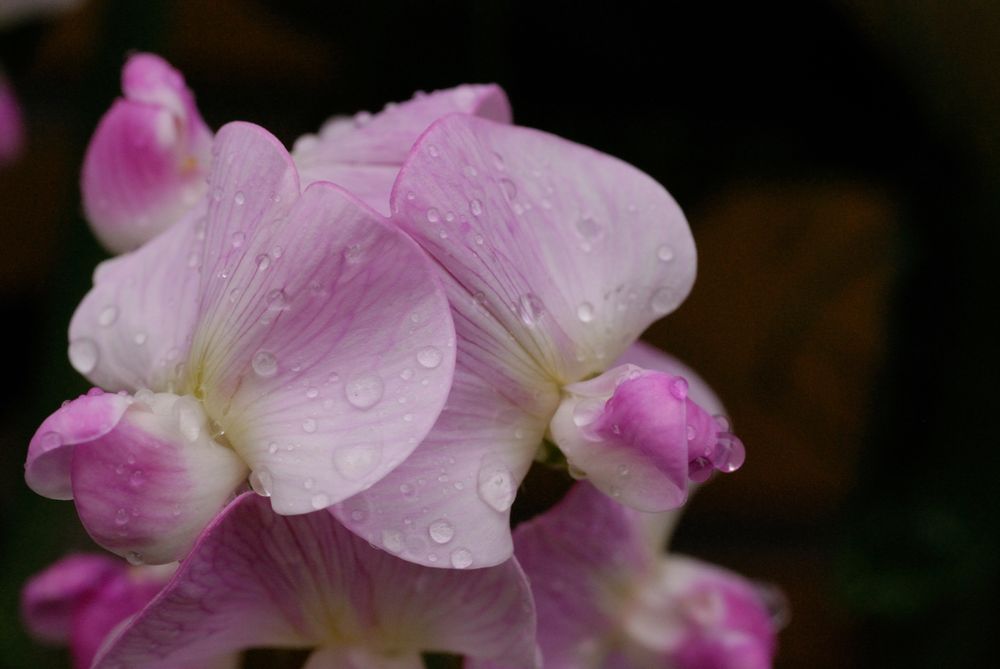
x=838, y=162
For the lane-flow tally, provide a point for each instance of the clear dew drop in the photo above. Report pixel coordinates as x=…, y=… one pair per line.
x=433, y=151
x=429, y=357
x=239, y=198
x=108, y=316
x=263, y=262
x=139, y=338
x=530, y=309
x=663, y=300
x=264, y=364
x=356, y=462
x=312, y=393
x=309, y=425
x=364, y=392
x=679, y=387
x=237, y=239
x=134, y=558
x=393, y=541
x=83, y=355
x=260, y=482
x=476, y=207
x=461, y=558
x=585, y=312
x=496, y=486
x=509, y=188
x=320, y=501
x=441, y=531
x=589, y=229
x=665, y=253
x=121, y=518
x=352, y=254
x=433, y=215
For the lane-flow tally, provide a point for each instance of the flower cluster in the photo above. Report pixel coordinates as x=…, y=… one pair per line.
x=321, y=376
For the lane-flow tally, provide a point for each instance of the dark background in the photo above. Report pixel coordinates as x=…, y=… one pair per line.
x=838, y=164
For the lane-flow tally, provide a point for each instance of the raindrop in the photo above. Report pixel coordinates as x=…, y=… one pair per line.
x=309, y=425
x=589, y=229
x=121, y=518
x=461, y=558
x=139, y=338
x=429, y=357
x=530, y=308
x=108, y=316
x=134, y=558
x=663, y=300
x=679, y=387
x=441, y=531
x=263, y=262
x=585, y=312
x=665, y=253
x=433, y=216
x=352, y=254
x=264, y=364
x=509, y=189
x=240, y=198
x=260, y=482
x=320, y=501
x=433, y=150
x=730, y=454
x=238, y=239
x=393, y=541
x=364, y=392
x=312, y=393
x=83, y=355
x=496, y=486
x=476, y=207
x=356, y=462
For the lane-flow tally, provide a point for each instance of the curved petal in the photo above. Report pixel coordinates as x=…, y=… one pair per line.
x=50, y=598
x=146, y=163
x=638, y=437
x=12, y=126
x=448, y=504
x=326, y=348
x=50, y=453
x=363, y=154
x=256, y=578
x=146, y=488
x=569, y=251
x=133, y=329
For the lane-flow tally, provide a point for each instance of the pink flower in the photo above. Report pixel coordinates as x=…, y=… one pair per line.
x=11, y=125
x=555, y=258
x=257, y=579
x=607, y=598
x=78, y=600
x=292, y=337
x=147, y=162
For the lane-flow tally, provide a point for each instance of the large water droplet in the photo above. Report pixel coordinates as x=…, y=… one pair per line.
x=264, y=364
x=679, y=387
x=429, y=357
x=496, y=486
x=441, y=531
x=83, y=355
x=663, y=300
x=461, y=558
x=364, y=392
x=356, y=462
x=260, y=482
x=585, y=312
x=730, y=454
x=263, y=262
x=530, y=308
x=108, y=316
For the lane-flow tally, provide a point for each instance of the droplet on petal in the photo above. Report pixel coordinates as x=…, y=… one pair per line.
x=364, y=392
x=530, y=309
x=665, y=253
x=441, y=531
x=496, y=486
x=265, y=364
x=83, y=355
x=585, y=312
x=356, y=462
x=461, y=558
x=429, y=357
x=260, y=482
x=108, y=316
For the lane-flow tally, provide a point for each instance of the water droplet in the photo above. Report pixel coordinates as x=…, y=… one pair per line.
x=730, y=454
x=134, y=558
x=263, y=262
x=476, y=207
x=433, y=151
x=723, y=422
x=411, y=196
x=665, y=253
x=83, y=355
x=308, y=483
x=408, y=418
x=393, y=541
x=272, y=448
x=679, y=387
x=139, y=338
x=663, y=300
x=358, y=461
x=240, y=198
x=309, y=425
x=108, y=316
x=260, y=482
x=433, y=216
x=364, y=392
x=264, y=364
x=700, y=469
x=509, y=188
x=429, y=357
x=121, y=518
x=589, y=229
x=623, y=470
x=238, y=239
x=585, y=312
x=691, y=432
x=312, y=393
x=352, y=254
x=441, y=531
x=406, y=489
x=136, y=479
x=187, y=411
x=320, y=501
x=530, y=309
x=406, y=374
x=461, y=558
x=496, y=486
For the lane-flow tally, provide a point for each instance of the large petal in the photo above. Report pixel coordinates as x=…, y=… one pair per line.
x=134, y=328
x=448, y=504
x=326, y=347
x=364, y=153
x=50, y=598
x=146, y=163
x=259, y=579
x=568, y=252
x=145, y=475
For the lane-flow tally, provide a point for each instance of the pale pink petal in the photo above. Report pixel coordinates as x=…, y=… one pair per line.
x=347, y=657
x=448, y=504
x=51, y=597
x=11, y=124
x=649, y=357
x=557, y=256
x=50, y=453
x=326, y=348
x=638, y=437
x=133, y=329
x=147, y=487
x=363, y=154
x=260, y=579
x=145, y=166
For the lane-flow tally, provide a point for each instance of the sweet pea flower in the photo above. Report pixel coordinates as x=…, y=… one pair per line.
x=11, y=125
x=147, y=162
x=78, y=600
x=256, y=579
x=555, y=258
x=293, y=337
x=607, y=598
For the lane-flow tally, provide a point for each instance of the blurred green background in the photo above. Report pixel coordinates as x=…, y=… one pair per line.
x=839, y=165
